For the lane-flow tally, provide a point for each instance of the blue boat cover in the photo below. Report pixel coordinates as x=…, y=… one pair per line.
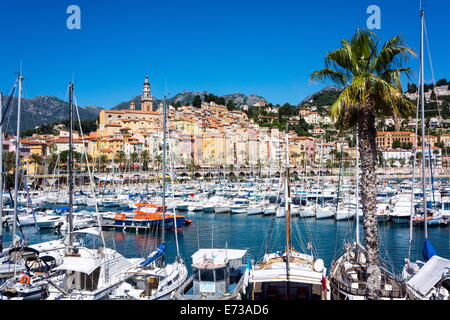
x=428, y=250
x=249, y=264
x=155, y=254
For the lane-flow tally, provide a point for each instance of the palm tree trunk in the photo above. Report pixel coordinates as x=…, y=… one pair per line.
x=368, y=155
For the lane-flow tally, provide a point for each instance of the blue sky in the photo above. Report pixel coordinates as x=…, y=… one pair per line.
x=264, y=47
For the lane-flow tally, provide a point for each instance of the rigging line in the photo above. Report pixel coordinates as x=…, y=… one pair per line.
x=434, y=80
x=8, y=102
x=91, y=176
x=171, y=154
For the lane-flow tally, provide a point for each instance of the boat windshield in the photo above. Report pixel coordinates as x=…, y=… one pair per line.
x=87, y=240
x=210, y=275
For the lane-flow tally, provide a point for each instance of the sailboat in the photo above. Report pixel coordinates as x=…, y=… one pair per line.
x=288, y=274
x=91, y=271
x=429, y=280
x=154, y=279
x=22, y=266
x=348, y=274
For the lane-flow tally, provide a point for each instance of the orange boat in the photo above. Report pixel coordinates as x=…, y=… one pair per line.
x=149, y=215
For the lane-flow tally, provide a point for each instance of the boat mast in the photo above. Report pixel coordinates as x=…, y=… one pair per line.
x=1, y=172
x=357, y=188
x=16, y=174
x=70, y=218
x=287, y=200
x=413, y=184
x=287, y=213
x=422, y=100
x=163, y=238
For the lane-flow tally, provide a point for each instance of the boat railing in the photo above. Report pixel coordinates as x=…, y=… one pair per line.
x=393, y=294
x=184, y=288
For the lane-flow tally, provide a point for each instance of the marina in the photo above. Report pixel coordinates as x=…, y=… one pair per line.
x=344, y=196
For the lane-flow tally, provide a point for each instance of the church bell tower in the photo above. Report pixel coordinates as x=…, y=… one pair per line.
x=147, y=99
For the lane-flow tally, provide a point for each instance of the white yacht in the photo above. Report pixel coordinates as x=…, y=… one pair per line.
x=91, y=270
x=218, y=274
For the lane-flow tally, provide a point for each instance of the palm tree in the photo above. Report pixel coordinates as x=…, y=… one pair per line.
x=9, y=161
x=133, y=159
x=120, y=158
x=145, y=157
x=157, y=161
x=103, y=161
x=52, y=162
x=372, y=88
x=36, y=160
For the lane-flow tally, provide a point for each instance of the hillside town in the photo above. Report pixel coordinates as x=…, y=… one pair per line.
x=259, y=162
x=213, y=136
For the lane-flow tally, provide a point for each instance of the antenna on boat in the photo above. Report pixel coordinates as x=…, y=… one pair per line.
x=1, y=173
x=287, y=196
x=357, y=187
x=70, y=218
x=16, y=174
x=413, y=183
x=163, y=236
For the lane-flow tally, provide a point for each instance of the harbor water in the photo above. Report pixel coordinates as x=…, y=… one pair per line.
x=260, y=234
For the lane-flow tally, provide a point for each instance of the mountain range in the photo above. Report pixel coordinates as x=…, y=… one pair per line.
x=41, y=110
x=187, y=98
x=45, y=109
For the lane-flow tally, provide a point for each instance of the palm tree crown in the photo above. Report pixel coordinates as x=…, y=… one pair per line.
x=370, y=77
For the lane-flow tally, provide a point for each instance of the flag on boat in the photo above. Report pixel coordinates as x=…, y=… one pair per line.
x=324, y=279
x=309, y=245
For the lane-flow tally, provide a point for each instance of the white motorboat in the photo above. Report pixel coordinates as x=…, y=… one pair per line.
x=218, y=274
x=91, y=271
x=326, y=212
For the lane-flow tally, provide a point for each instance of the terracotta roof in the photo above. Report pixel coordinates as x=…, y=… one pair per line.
x=393, y=132
x=131, y=111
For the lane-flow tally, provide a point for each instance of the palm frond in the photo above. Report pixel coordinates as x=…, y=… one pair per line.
x=328, y=74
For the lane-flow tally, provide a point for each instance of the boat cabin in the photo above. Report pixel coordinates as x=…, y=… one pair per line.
x=217, y=272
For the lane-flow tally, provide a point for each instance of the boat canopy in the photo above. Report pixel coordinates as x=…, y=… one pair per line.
x=79, y=264
x=429, y=275
x=428, y=250
x=94, y=231
x=155, y=254
x=214, y=258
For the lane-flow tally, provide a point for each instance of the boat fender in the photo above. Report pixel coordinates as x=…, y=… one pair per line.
x=319, y=265
x=25, y=279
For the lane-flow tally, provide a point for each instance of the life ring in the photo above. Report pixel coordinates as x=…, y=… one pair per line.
x=25, y=279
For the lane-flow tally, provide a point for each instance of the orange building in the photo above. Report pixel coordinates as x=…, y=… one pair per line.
x=385, y=139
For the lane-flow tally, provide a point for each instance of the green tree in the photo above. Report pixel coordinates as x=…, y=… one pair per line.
x=36, y=160
x=412, y=88
x=145, y=157
x=197, y=103
x=9, y=161
x=134, y=156
x=64, y=157
x=407, y=145
x=103, y=162
x=441, y=82
x=396, y=144
x=120, y=157
x=372, y=88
